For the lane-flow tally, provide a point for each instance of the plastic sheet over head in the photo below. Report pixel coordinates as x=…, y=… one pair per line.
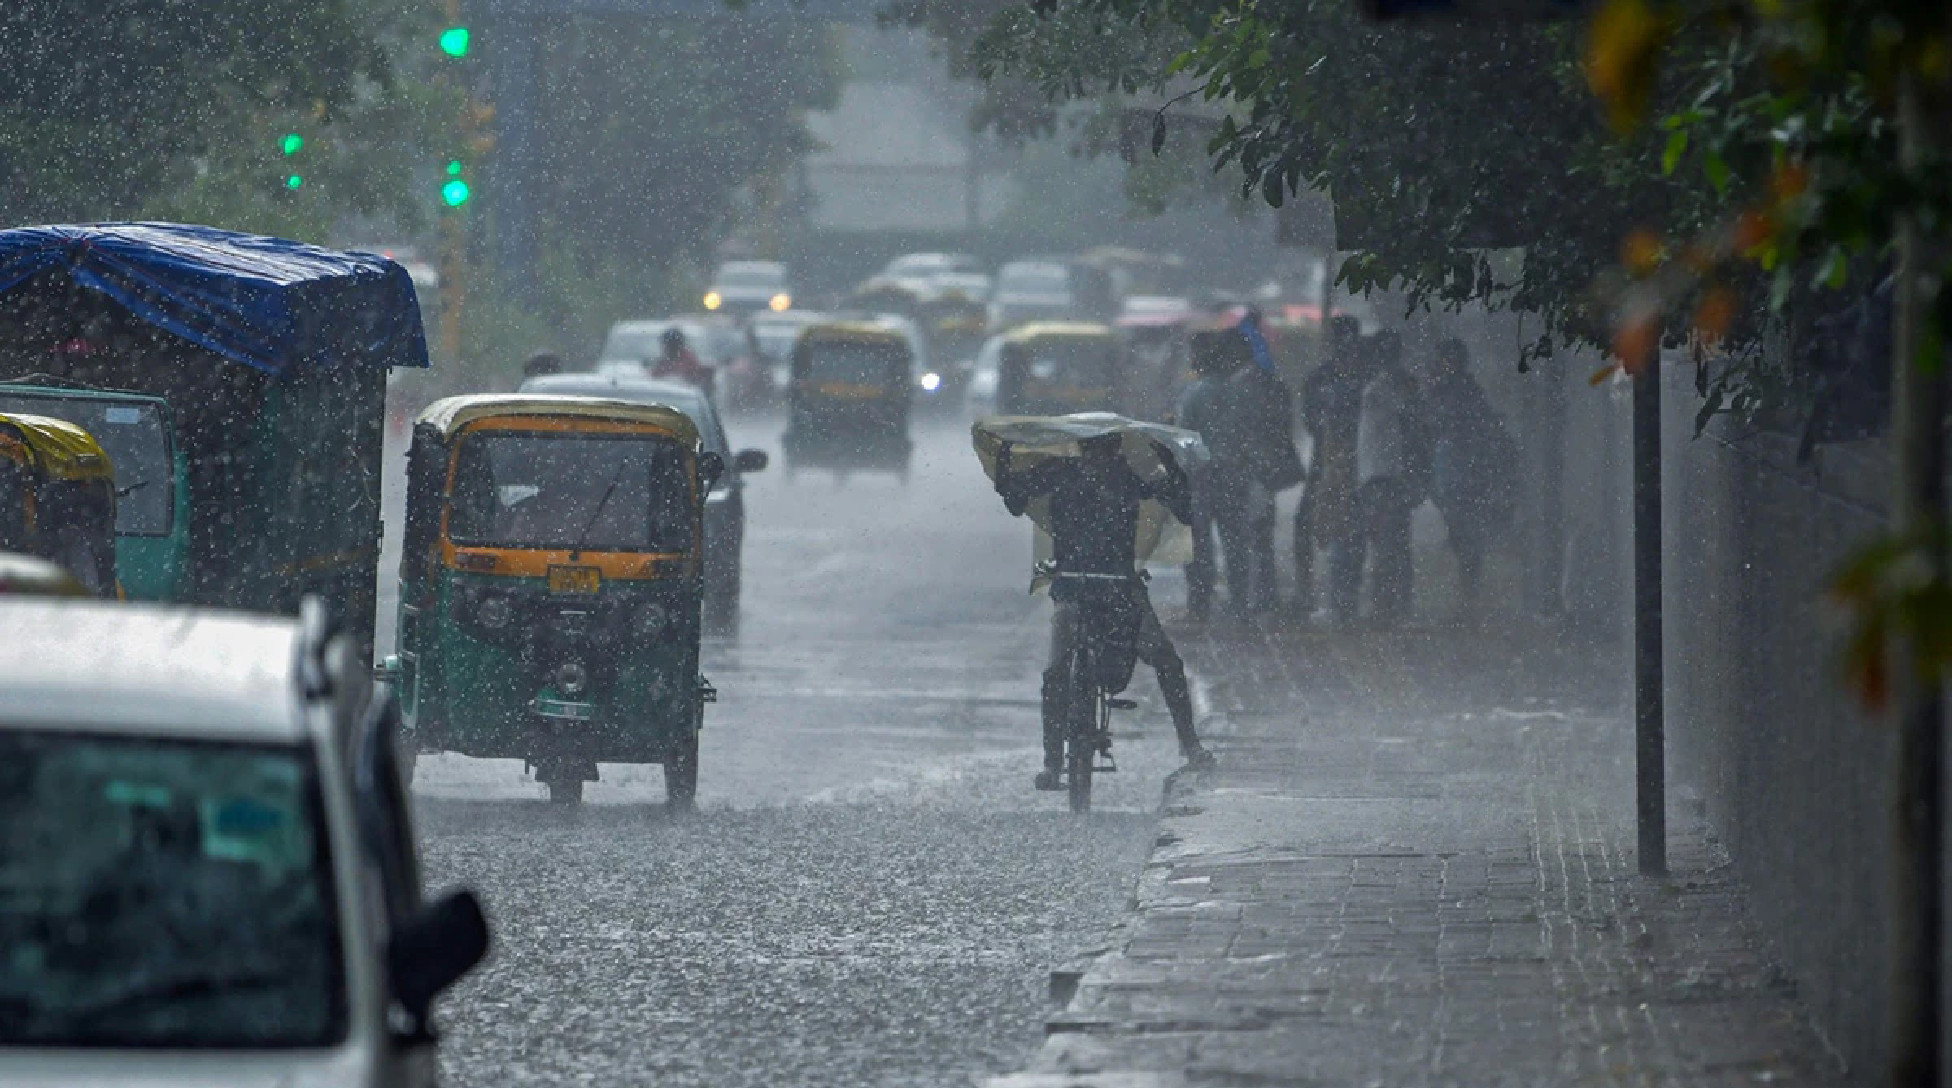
x=1159, y=538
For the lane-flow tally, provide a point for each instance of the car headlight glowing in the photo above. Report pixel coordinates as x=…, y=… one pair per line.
x=713, y=300
x=931, y=381
x=494, y=612
x=781, y=302
x=653, y=619
x=572, y=679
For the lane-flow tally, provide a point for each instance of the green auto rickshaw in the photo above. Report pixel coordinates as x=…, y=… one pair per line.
x=848, y=404
x=1053, y=368
x=57, y=498
x=550, y=586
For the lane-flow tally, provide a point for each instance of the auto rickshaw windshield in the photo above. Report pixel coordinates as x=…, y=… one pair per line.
x=1077, y=362
x=133, y=436
x=856, y=363
x=592, y=492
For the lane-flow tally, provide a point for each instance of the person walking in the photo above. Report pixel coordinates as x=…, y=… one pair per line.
x=1392, y=478
x=1474, y=467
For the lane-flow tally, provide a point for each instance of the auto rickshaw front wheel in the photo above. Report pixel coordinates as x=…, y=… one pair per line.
x=567, y=790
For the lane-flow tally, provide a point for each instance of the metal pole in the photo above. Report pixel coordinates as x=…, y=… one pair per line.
x=517, y=53
x=1650, y=727
x=1917, y=850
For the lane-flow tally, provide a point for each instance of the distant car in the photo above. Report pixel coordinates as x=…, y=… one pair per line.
x=632, y=348
x=974, y=286
x=931, y=266
x=725, y=507
x=209, y=864
x=1031, y=291
x=746, y=287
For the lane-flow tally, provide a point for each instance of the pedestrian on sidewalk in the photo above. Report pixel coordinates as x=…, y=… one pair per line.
x=1094, y=514
x=1475, y=465
x=1331, y=401
x=1197, y=411
x=1254, y=449
x=1392, y=479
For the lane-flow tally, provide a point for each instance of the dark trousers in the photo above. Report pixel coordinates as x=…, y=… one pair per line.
x=1203, y=571
x=1386, y=506
x=1468, y=538
x=1154, y=648
x=1305, y=550
x=1247, y=544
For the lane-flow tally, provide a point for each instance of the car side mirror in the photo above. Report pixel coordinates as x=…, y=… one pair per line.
x=749, y=461
x=434, y=948
x=711, y=469
x=388, y=670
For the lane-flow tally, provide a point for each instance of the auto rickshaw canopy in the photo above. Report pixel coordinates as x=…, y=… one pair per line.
x=852, y=332
x=451, y=415
x=1041, y=330
x=54, y=448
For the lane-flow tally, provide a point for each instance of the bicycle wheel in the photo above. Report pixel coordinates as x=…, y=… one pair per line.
x=1080, y=731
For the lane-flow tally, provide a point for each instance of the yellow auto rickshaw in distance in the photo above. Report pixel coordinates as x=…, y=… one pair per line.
x=849, y=401
x=1054, y=368
x=550, y=586
x=57, y=498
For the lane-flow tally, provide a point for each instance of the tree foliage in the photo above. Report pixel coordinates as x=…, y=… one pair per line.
x=105, y=104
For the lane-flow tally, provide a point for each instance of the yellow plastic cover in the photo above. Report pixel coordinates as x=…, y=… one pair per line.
x=58, y=448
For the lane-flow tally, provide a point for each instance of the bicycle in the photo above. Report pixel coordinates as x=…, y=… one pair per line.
x=1096, y=667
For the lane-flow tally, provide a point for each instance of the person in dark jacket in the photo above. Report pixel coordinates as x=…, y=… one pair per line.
x=1473, y=482
x=1094, y=516
x=1252, y=442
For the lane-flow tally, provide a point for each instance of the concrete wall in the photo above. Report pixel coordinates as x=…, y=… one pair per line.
x=1793, y=774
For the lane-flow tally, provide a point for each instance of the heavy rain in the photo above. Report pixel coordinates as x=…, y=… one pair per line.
x=1004, y=543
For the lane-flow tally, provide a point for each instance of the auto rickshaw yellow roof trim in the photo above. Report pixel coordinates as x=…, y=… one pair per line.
x=58, y=448
x=452, y=414
x=1090, y=330
x=845, y=331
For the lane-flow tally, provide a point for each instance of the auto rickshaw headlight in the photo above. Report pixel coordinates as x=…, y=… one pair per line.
x=780, y=303
x=572, y=678
x=653, y=619
x=494, y=612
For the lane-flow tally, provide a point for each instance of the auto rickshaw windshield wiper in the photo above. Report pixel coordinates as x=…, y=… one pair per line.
x=608, y=490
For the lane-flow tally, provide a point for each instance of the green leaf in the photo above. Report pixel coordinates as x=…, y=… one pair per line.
x=1677, y=145
x=1716, y=168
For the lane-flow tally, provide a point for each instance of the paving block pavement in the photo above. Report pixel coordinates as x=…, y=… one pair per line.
x=1414, y=866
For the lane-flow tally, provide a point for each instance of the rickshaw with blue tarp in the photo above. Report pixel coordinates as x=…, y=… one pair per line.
x=265, y=358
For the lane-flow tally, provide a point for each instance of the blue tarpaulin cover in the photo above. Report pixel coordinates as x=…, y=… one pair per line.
x=268, y=303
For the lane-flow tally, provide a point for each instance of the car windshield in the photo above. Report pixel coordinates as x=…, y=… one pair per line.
x=595, y=492
x=751, y=275
x=1033, y=279
x=855, y=363
x=132, y=434
x=1074, y=361
x=634, y=341
x=164, y=894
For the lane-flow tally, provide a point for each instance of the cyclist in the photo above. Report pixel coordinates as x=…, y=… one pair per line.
x=1094, y=514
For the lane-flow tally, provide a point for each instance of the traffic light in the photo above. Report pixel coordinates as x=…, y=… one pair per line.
x=290, y=146
x=454, y=41
x=454, y=191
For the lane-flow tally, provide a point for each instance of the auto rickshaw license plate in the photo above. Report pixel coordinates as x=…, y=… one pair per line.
x=575, y=579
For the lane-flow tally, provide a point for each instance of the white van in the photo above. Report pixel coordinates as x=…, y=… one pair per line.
x=207, y=870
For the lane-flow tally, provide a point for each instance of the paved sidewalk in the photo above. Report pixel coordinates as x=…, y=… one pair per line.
x=1414, y=867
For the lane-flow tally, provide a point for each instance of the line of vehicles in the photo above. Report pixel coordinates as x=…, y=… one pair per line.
x=933, y=334
x=207, y=868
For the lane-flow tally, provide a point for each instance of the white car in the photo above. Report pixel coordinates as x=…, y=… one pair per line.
x=207, y=870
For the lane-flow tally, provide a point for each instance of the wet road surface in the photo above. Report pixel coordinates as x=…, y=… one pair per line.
x=871, y=893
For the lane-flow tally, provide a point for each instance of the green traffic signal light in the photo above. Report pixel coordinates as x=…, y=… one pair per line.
x=455, y=192
x=454, y=41
x=294, y=182
x=454, y=168
x=291, y=143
